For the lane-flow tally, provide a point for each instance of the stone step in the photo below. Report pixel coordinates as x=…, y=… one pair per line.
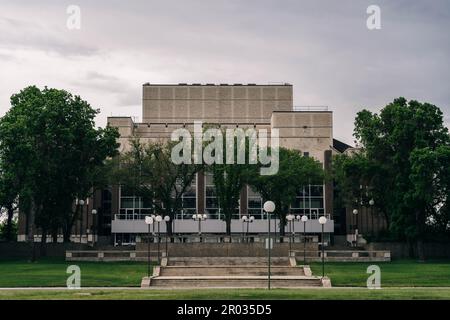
x=235, y=282
x=226, y=261
x=227, y=270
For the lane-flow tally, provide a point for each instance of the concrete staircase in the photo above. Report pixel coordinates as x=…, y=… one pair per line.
x=230, y=272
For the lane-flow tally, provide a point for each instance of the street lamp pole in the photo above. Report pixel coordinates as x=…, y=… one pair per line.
x=371, y=204
x=167, y=220
x=290, y=219
x=148, y=221
x=355, y=213
x=269, y=207
x=81, y=203
x=322, y=221
x=94, y=217
x=304, y=219
x=159, y=219
x=199, y=217
x=244, y=220
x=250, y=220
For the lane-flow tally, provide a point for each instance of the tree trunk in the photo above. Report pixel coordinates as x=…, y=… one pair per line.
x=30, y=231
x=8, y=235
x=55, y=235
x=169, y=226
x=420, y=250
x=43, y=246
x=228, y=226
x=420, y=225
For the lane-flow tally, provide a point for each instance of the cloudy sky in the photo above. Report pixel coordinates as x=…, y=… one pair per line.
x=323, y=48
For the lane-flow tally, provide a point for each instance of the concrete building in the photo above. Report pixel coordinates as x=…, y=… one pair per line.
x=166, y=107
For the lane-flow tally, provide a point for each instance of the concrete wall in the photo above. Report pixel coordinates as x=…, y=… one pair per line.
x=217, y=226
x=254, y=249
x=24, y=249
x=401, y=250
x=214, y=103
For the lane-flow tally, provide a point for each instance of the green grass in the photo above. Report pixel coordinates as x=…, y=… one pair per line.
x=230, y=294
x=398, y=273
x=52, y=273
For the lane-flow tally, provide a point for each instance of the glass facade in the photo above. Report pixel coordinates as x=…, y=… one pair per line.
x=254, y=203
x=133, y=207
x=309, y=202
x=212, y=207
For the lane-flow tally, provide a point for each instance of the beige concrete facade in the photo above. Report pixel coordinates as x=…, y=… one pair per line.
x=168, y=107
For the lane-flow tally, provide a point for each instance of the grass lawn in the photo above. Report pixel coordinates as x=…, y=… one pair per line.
x=398, y=273
x=231, y=294
x=52, y=273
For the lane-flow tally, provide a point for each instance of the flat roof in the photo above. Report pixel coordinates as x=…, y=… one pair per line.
x=217, y=84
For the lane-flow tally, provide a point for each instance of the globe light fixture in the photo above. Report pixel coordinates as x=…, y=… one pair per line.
x=322, y=220
x=304, y=218
x=371, y=202
x=269, y=206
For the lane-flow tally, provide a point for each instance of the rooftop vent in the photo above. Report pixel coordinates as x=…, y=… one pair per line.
x=224, y=84
x=237, y=84
x=196, y=84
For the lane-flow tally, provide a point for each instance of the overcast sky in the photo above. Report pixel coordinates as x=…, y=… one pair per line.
x=323, y=48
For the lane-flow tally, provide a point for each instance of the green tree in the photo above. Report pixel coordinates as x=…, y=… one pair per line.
x=402, y=140
x=50, y=138
x=294, y=172
x=148, y=171
x=230, y=177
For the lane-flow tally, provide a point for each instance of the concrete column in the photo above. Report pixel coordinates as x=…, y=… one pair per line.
x=243, y=198
x=328, y=192
x=201, y=192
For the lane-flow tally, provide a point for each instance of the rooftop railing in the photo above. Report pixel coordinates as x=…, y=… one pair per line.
x=310, y=108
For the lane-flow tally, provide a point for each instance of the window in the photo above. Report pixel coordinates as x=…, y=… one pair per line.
x=309, y=201
x=254, y=203
x=212, y=207
x=189, y=201
x=211, y=199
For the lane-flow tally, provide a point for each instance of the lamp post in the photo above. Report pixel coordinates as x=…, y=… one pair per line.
x=322, y=221
x=269, y=207
x=81, y=203
x=199, y=217
x=355, y=213
x=244, y=220
x=290, y=218
x=167, y=220
x=247, y=220
x=94, y=218
x=304, y=218
x=158, y=220
x=371, y=204
x=148, y=221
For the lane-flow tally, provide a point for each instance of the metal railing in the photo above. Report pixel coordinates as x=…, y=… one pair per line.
x=310, y=108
